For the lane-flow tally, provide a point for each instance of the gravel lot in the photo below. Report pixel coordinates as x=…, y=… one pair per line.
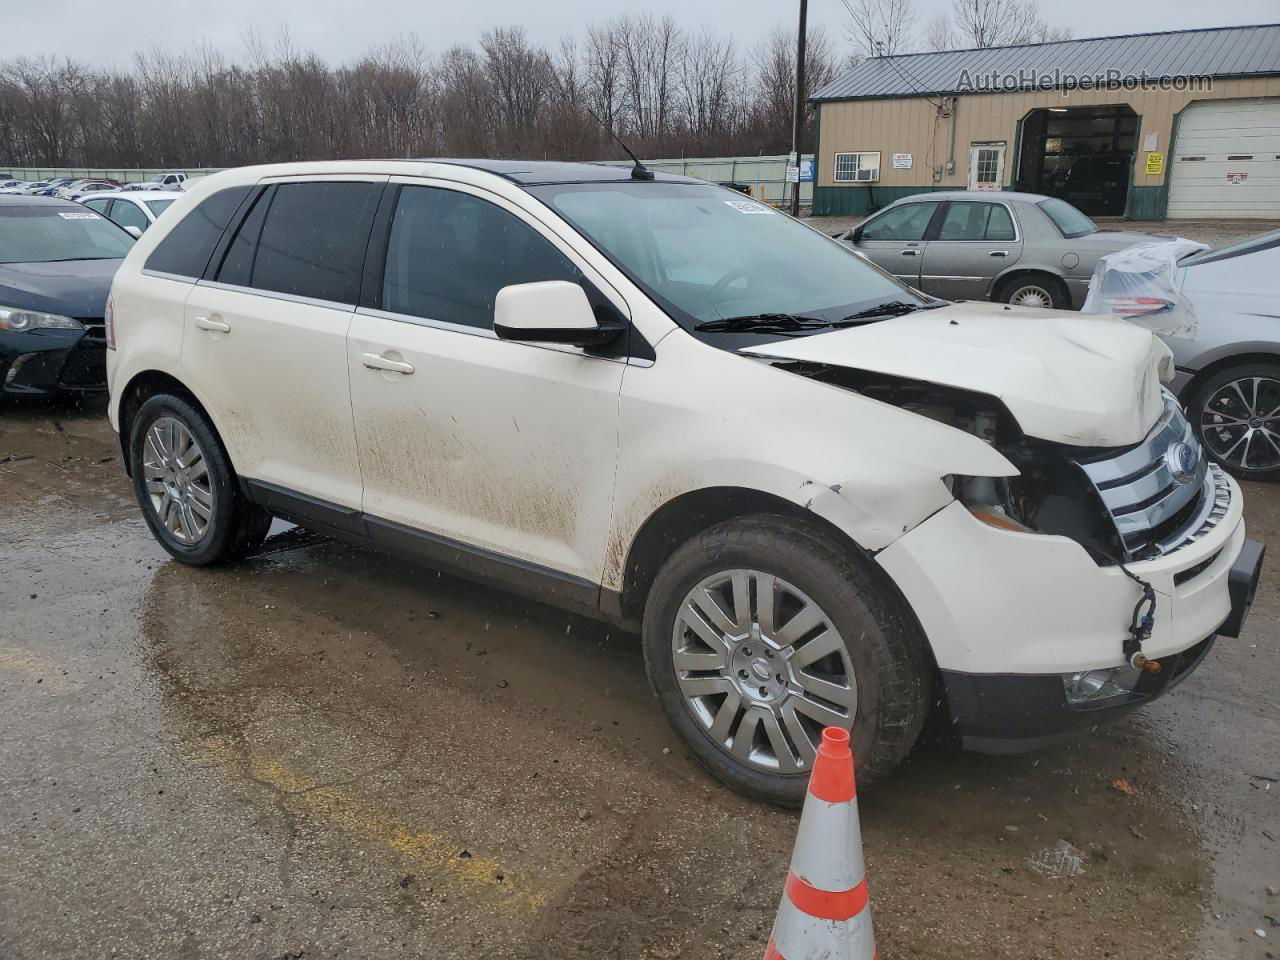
x=323, y=752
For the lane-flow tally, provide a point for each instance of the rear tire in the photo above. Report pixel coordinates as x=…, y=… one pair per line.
x=1236, y=415
x=189, y=494
x=713, y=672
x=1034, y=290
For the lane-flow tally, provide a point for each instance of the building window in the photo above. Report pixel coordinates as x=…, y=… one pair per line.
x=857, y=167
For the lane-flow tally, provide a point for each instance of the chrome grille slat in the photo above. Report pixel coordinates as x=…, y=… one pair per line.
x=1141, y=492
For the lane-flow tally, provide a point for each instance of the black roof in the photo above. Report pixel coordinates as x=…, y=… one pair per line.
x=534, y=172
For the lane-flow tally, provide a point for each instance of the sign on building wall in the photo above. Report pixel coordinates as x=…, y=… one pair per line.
x=1150, y=141
x=902, y=161
x=1155, y=164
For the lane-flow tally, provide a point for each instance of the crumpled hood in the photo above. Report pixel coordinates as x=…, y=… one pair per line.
x=1069, y=378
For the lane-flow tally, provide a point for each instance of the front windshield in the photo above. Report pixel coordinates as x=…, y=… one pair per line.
x=1069, y=221
x=49, y=232
x=707, y=253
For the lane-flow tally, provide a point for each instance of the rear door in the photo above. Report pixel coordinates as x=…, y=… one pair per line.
x=894, y=240
x=970, y=243
x=266, y=335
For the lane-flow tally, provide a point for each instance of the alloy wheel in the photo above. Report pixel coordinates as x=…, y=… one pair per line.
x=1031, y=295
x=762, y=669
x=177, y=480
x=1240, y=423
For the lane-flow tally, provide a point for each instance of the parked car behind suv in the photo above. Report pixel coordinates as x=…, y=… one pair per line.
x=822, y=498
x=1227, y=346
x=56, y=264
x=1019, y=248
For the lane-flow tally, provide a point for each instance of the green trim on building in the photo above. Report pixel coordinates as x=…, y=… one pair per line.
x=1147, y=203
x=861, y=200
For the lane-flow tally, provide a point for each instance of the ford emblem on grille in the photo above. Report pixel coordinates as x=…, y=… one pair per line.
x=1182, y=459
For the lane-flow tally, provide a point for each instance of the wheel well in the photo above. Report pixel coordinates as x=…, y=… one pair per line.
x=1017, y=276
x=1223, y=363
x=143, y=386
x=691, y=513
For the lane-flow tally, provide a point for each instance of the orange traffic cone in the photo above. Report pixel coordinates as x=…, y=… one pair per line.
x=824, y=913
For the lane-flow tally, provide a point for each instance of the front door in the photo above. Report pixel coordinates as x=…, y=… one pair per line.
x=894, y=239
x=507, y=446
x=986, y=166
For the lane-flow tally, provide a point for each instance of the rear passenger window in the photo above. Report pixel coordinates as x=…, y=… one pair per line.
x=450, y=253
x=1000, y=226
x=967, y=220
x=185, y=250
x=313, y=240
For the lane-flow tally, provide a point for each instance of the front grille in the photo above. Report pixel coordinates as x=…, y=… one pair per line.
x=1152, y=500
x=86, y=363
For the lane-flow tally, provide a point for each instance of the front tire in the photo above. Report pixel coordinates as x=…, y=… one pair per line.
x=748, y=683
x=189, y=495
x=1236, y=414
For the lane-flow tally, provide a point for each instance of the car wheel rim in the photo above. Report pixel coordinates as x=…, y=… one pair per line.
x=176, y=477
x=1241, y=423
x=1031, y=296
x=762, y=669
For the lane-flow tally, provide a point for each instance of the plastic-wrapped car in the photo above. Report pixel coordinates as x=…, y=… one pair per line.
x=1216, y=310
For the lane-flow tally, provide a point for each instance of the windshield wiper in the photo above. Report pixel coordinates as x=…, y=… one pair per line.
x=762, y=323
x=894, y=308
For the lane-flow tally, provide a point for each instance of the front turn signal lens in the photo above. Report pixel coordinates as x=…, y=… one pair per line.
x=995, y=517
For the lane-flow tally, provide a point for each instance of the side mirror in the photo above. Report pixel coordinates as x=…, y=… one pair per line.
x=550, y=311
x=135, y=231
x=856, y=233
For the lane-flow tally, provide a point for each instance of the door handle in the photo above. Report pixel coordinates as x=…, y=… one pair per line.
x=909, y=253
x=212, y=325
x=998, y=253
x=377, y=362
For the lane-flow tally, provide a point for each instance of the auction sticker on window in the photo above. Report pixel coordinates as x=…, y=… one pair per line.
x=78, y=215
x=746, y=206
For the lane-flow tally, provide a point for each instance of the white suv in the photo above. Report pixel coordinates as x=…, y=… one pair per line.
x=822, y=497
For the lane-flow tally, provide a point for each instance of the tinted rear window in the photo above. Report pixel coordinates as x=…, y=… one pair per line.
x=313, y=240
x=1069, y=221
x=186, y=249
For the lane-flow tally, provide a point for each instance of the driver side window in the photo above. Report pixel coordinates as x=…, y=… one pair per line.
x=907, y=222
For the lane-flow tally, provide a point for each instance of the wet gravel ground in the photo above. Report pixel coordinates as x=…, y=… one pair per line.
x=323, y=752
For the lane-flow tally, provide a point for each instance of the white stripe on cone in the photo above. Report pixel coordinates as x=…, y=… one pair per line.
x=828, y=852
x=798, y=936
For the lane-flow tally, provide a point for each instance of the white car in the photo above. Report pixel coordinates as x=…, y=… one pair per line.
x=822, y=498
x=160, y=181
x=133, y=211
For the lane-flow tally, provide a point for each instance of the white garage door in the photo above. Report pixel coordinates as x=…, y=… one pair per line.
x=1226, y=160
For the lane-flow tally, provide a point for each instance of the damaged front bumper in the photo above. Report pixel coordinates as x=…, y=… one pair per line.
x=52, y=362
x=1026, y=627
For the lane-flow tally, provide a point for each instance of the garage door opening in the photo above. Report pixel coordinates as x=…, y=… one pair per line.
x=1082, y=154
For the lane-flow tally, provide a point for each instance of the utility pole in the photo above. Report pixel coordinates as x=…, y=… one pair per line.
x=798, y=118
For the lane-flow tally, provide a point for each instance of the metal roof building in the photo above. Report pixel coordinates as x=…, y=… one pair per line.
x=1183, y=123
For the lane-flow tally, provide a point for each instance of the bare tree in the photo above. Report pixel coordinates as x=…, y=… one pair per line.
x=992, y=23
x=881, y=27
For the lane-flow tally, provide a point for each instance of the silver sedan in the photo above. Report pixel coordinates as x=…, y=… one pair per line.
x=1018, y=248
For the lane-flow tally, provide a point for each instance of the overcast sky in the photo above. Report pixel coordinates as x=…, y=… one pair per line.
x=340, y=30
